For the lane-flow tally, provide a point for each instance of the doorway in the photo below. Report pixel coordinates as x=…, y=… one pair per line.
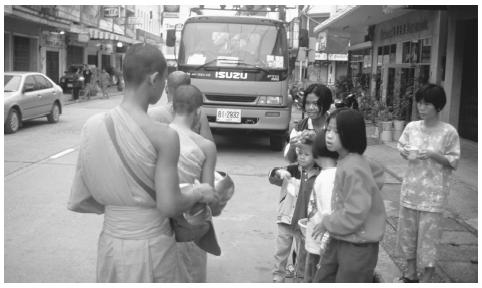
x=468, y=100
x=52, y=65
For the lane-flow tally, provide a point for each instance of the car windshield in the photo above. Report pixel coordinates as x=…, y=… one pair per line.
x=233, y=43
x=74, y=69
x=12, y=83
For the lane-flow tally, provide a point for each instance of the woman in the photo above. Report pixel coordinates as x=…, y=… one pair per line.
x=316, y=102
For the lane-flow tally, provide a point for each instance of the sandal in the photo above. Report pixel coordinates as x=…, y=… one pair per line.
x=407, y=280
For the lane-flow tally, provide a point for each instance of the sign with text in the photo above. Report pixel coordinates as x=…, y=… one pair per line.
x=111, y=11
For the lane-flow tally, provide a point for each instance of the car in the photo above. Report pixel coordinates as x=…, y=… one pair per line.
x=29, y=95
x=71, y=79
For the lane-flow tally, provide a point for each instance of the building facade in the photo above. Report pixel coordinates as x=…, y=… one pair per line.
x=395, y=49
x=48, y=38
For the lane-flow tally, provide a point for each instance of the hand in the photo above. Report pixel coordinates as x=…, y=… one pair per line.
x=425, y=154
x=318, y=230
x=404, y=153
x=207, y=193
x=282, y=174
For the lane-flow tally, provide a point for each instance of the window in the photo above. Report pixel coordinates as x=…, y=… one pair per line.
x=42, y=82
x=30, y=82
x=417, y=51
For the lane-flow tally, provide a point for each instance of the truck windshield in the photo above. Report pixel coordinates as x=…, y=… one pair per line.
x=228, y=44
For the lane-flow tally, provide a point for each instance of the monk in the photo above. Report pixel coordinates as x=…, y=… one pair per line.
x=165, y=113
x=197, y=161
x=127, y=170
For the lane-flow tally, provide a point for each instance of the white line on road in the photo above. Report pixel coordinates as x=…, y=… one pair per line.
x=65, y=152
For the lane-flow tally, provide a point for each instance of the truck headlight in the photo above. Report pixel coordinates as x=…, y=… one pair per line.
x=270, y=100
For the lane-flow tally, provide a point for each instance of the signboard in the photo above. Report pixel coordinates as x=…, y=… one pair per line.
x=171, y=11
x=111, y=11
x=331, y=57
x=83, y=37
x=52, y=39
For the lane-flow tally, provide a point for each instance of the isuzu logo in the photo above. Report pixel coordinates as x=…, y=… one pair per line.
x=231, y=75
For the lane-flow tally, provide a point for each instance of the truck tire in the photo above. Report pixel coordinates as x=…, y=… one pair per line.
x=276, y=142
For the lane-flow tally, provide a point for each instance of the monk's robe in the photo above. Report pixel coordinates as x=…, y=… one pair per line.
x=137, y=243
x=192, y=259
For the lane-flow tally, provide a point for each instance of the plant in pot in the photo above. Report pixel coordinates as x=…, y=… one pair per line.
x=385, y=122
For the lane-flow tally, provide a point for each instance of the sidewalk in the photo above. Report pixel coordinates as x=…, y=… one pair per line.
x=458, y=257
x=458, y=260
x=112, y=90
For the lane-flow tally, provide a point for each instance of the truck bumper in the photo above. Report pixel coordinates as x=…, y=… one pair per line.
x=274, y=120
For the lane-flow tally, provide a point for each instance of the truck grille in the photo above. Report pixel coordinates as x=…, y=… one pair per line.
x=230, y=98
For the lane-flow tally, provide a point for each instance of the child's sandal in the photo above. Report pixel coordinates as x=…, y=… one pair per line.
x=407, y=280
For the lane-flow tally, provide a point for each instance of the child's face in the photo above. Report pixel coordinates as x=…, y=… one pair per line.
x=332, y=138
x=305, y=156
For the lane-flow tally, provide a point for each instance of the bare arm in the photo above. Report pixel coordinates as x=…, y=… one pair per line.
x=205, y=130
x=209, y=165
x=170, y=200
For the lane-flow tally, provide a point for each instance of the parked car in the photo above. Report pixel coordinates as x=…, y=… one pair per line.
x=72, y=79
x=29, y=95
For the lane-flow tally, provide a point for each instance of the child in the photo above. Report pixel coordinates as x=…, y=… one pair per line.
x=293, y=206
x=320, y=201
x=357, y=222
x=433, y=150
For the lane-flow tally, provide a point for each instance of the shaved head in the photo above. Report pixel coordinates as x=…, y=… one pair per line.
x=176, y=79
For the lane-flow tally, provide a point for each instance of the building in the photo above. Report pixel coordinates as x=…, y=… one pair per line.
x=393, y=50
x=48, y=38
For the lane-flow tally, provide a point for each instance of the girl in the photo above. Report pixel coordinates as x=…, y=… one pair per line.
x=316, y=102
x=320, y=201
x=357, y=222
x=433, y=150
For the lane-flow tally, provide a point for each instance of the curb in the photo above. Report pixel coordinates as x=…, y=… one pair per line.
x=96, y=97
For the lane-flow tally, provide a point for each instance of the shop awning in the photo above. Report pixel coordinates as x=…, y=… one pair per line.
x=97, y=34
x=358, y=17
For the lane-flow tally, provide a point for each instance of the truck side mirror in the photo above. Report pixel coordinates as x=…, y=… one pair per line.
x=171, y=38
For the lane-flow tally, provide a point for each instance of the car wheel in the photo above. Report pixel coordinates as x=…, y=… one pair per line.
x=13, y=122
x=54, y=115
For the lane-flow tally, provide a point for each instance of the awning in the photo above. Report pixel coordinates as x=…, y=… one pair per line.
x=97, y=34
x=357, y=18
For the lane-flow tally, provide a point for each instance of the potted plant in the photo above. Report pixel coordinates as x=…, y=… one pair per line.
x=385, y=122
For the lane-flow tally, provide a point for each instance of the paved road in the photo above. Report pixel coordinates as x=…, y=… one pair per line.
x=44, y=242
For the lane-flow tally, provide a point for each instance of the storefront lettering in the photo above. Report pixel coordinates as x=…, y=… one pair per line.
x=402, y=29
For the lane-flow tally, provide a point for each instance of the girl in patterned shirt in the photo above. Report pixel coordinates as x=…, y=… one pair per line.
x=432, y=149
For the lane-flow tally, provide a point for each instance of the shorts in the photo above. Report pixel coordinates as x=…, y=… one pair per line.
x=418, y=236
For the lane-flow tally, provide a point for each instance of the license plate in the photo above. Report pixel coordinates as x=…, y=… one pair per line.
x=69, y=85
x=228, y=115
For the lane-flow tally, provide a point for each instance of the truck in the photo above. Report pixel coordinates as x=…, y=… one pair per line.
x=241, y=64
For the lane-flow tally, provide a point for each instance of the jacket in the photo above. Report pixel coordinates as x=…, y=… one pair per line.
x=292, y=208
x=358, y=210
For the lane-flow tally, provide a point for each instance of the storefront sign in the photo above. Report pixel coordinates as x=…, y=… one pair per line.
x=111, y=11
x=331, y=57
x=52, y=39
x=83, y=37
x=403, y=29
x=171, y=11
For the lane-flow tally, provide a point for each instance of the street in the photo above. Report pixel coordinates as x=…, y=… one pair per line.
x=45, y=242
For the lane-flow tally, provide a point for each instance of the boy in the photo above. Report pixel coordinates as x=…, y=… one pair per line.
x=304, y=173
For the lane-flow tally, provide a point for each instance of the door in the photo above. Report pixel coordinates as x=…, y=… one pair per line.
x=468, y=101
x=92, y=60
x=52, y=67
x=29, y=100
x=21, y=53
x=46, y=94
